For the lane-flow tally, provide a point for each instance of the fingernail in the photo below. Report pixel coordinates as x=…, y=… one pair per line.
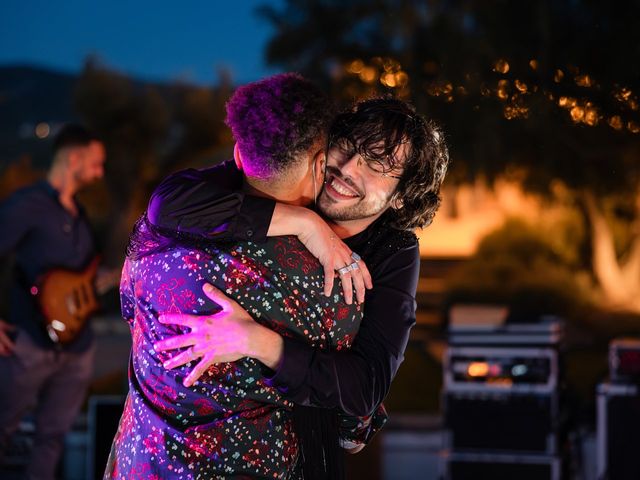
x=207, y=288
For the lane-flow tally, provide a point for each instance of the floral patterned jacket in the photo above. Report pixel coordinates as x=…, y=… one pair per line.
x=232, y=423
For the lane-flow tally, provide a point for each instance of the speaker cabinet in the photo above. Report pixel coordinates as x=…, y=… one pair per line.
x=103, y=418
x=618, y=436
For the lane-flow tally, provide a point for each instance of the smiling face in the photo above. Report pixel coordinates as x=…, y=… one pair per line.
x=356, y=188
x=383, y=154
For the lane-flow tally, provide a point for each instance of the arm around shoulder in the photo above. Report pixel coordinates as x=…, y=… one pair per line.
x=210, y=203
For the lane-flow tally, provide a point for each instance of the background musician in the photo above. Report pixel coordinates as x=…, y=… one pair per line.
x=46, y=228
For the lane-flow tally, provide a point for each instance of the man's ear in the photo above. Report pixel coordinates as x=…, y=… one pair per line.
x=318, y=164
x=74, y=158
x=237, y=156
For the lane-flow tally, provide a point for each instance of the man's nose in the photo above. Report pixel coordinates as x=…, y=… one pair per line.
x=350, y=166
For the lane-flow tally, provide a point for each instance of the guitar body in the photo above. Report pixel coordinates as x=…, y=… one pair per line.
x=67, y=299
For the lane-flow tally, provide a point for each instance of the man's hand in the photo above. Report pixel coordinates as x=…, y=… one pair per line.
x=334, y=254
x=355, y=450
x=222, y=337
x=107, y=278
x=6, y=344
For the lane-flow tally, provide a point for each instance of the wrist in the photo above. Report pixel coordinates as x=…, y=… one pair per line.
x=307, y=222
x=291, y=220
x=264, y=345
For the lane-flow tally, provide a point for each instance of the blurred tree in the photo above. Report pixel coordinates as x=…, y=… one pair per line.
x=545, y=91
x=17, y=175
x=148, y=132
x=199, y=127
x=517, y=265
x=132, y=121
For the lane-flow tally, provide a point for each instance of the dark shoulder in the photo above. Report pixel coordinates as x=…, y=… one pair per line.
x=30, y=195
x=385, y=242
x=223, y=171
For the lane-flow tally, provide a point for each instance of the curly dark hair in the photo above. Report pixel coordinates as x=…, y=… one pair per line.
x=375, y=129
x=275, y=119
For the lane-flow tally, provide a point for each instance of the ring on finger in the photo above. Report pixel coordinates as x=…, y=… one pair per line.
x=345, y=269
x=356, y=257
x=355, y=266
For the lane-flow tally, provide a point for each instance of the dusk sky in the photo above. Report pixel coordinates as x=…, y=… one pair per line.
x=152, y=40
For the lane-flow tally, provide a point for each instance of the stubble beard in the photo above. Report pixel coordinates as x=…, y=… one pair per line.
x=333, y=210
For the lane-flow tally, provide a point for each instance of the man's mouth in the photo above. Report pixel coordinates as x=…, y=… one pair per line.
x=340, y=189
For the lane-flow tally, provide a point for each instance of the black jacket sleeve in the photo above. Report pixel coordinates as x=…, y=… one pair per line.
x=356, y=381
x=210, y=203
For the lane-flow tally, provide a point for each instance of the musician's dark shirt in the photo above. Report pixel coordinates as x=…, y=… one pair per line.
x=209, y=203
x=43, y=235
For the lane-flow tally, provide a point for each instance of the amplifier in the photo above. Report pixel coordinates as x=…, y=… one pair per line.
x=491, y=325
x=501, y=399
x=618, y=431
x=468, y=466
x=501, y=422
x=624, y=360
x=104, y=414
x=499, y=369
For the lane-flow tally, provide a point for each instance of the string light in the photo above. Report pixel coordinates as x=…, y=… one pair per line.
x=615, y=122
x=567, y=102
x=389, y=73
x=584, y=81
x=388, y=80
x=521, y=86
x=503, y=90
x=559, y=75
x=591, y=117
x=577, y=114
x=501, y=66
x=368, y=74
x=356, y=66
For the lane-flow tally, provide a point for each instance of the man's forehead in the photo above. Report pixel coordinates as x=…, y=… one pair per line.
x=96, y=145
x=397, y=154
x=97, y=150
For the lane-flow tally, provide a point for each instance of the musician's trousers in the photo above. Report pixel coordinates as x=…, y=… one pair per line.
x=52, y=385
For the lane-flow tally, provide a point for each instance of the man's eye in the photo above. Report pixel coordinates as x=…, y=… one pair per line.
x=377, y=165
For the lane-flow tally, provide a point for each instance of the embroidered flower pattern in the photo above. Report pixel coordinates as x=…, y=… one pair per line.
x=231, y=423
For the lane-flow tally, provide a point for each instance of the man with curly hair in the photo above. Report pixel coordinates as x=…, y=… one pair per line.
x=385, y=165
x=232, y=423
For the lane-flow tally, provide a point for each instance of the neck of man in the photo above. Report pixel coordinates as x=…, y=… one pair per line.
x=61, y=179
x=349, y=228
x=278, y=191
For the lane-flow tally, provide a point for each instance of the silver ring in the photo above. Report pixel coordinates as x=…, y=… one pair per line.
x=345, y=269
x=355, y=266
x=356, y=257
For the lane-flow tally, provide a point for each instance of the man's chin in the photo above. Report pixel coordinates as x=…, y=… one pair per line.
x=338, y=212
